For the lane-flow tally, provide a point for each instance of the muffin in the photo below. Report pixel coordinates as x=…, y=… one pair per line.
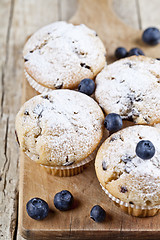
x=130, y=181
x=60, y=55
x=130, y=87
x=60, y=130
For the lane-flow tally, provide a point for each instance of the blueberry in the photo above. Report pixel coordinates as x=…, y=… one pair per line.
x=97, y=213
x=123, y=189
x=37, y=208
x=113, y=122
x=104, y=165
x=151, y=36
x=86, y=86
x=145, y=149
x=63, y=200
x=135, y=51
x=26, y=112
x=120, y=52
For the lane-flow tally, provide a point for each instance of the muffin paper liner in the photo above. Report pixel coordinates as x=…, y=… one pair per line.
x=131, y=209
x=39, y=88
x=66, y=171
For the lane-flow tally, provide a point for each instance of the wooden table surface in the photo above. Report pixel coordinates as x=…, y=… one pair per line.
x=18, y=19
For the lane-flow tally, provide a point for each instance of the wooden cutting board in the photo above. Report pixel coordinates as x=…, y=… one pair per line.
x=34, y=182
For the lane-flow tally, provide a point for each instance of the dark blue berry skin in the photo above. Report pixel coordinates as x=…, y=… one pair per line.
x=63, y=200
x=86, y=86
x=113, y=122
x=120, y=52
x=37, y=208
x=98, y=214
x=135, y=51
x=145, y=149
x=151, y=36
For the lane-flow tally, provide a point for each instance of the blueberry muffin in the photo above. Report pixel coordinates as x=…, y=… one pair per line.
x=130, y=87
x=127, y=174
x=60, y=55
x=60, y=130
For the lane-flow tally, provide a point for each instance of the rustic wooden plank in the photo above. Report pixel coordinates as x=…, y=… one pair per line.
x=18, y=20
x=126, y=10
x=33, y=16
x=67, y=9
x=149, y=13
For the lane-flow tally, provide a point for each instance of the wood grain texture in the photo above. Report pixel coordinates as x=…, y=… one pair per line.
x=8, y=149
x=124, y=12
x=76, y=224
x=67, y=9
x=18, y=19
x=149, y=13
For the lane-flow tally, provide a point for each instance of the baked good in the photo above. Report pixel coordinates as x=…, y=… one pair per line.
x=60, y=129
x=60, y=55
x=130, y=181
x=130, y=87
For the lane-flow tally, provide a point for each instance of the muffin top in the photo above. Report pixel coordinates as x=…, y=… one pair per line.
x=125, y=175
x=60, y=55
x=59, y=128
x=130, y=87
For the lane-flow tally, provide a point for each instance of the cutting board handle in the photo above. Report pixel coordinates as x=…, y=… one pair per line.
x=92, y=11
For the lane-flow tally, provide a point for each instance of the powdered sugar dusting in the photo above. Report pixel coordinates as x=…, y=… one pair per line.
x=60, y=127
x=60, y=55
x=140, y=177
x=130, y=87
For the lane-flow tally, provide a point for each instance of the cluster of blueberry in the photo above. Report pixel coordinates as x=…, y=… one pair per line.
x=38, y=209
x=150, y=36
x=121, y=52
